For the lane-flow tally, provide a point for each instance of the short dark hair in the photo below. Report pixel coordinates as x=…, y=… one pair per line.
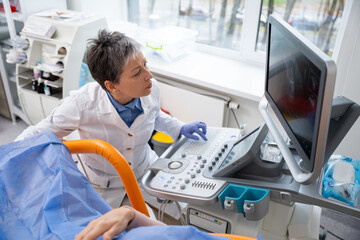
x=108, y=54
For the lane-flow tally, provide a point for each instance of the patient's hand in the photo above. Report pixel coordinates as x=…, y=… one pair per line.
x=108, y=225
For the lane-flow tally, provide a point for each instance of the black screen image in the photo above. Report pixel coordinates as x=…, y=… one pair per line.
x=293, y=84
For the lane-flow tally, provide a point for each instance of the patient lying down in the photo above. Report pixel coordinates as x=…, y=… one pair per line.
x=114, y=222
x=131, y=224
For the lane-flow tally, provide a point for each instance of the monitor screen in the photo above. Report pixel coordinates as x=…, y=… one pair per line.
x=295, y=87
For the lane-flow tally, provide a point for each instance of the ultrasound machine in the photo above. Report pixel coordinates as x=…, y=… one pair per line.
x=228, y=186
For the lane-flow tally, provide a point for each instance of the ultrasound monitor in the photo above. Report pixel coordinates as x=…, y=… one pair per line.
x=299, y=89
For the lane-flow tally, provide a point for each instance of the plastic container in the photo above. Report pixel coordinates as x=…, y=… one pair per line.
x=168, y=43
x=340, y=180
x=34, y=84
x=161, y=142
x=37, y=72
x=252, y=202
x=47, y=88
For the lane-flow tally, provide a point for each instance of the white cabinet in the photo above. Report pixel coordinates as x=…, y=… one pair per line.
x=10, y=98
x=14, y=21
x=31, y=104
x=66, y=47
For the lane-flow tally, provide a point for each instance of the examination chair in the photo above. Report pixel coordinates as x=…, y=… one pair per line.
x=44, y=212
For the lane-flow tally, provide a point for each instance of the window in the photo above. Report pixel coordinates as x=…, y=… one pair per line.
x=240, y=25
x=218, y=22
x=317, y=20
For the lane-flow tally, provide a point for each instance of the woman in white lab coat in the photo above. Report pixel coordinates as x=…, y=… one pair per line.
x=121, y=108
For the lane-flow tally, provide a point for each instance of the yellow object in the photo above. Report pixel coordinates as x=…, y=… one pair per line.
x=153, y=47
x=233, y=237
x=162, y=137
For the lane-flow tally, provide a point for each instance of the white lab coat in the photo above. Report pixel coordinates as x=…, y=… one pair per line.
x=90, y=111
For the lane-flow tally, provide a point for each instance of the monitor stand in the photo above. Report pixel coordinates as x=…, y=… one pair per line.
x=261, y=170
x=344, y=113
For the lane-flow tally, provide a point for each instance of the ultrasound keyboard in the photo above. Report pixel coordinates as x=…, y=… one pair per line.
x=181, y=175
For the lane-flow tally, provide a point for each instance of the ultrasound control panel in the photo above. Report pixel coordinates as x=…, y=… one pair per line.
x=181, y=175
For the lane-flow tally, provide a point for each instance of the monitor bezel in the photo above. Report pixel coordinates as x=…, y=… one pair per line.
x=326, y=85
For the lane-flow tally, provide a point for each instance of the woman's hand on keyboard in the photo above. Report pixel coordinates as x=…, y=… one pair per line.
x=189, y=129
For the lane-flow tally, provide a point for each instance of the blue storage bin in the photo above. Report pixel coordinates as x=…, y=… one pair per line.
x=252, y=202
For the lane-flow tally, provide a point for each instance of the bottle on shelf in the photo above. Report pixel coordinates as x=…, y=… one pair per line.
x=34, y=84
x=40, y=85
x=37, y=71
x=47, y=88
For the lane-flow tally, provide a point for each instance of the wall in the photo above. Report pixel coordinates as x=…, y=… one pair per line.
x=29, y=7
x=247, y=113
x=188, y=106
x=347, y=57
x=111, y=9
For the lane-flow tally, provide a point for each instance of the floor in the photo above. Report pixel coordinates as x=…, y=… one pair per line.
x=9, y=131
x=338, y=226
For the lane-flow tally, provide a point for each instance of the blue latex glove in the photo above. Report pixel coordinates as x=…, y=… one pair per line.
x=189, y=129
